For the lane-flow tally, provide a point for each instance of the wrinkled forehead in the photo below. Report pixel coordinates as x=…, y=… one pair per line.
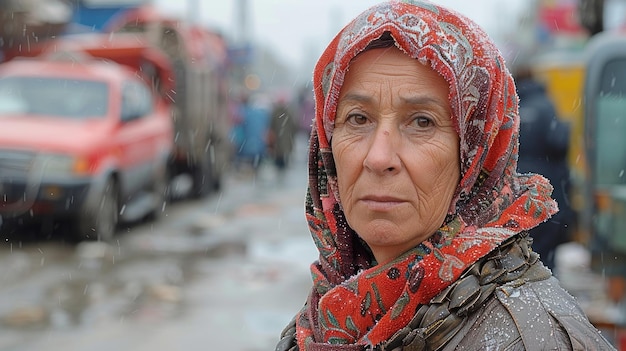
x=448, y=42
x=482, y=96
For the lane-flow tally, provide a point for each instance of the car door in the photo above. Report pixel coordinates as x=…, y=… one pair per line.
x=137, y=137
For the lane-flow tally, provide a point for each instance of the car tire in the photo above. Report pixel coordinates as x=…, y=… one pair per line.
x=221, y=159
x=201, y=176
x=9, y=227
x=100, y=224
x=161, y=193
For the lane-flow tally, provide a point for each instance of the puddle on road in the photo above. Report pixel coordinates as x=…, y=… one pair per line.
x=145, y=276
x=109, y=284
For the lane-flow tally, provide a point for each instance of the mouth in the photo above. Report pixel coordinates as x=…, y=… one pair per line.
x=381, y=203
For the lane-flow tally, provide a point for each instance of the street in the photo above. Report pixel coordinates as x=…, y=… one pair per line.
x=224, y=273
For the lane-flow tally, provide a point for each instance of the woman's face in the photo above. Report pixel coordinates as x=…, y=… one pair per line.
x=396, y=151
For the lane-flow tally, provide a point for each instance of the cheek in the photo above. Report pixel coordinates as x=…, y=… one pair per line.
x=444, y=155
x=436, y=174
x=445, y=183
x=348, y=163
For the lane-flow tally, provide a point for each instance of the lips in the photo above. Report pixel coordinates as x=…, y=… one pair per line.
x=381, y=202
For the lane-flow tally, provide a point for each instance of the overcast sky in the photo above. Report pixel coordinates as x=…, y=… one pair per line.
x=300, y=29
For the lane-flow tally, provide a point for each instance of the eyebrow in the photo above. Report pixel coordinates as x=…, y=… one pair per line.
x=426, y=100
x=413, y=100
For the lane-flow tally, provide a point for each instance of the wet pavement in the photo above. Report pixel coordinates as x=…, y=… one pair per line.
x=225, y=273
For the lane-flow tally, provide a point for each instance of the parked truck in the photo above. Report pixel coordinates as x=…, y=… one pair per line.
x=199, y=60
x=200, y=95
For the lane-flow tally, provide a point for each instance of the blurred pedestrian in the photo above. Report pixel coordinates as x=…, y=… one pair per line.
x=237, y=132
x=414, y=202
x=283, y=129
x=544, y=142
x=251, y=132
x=306, y=109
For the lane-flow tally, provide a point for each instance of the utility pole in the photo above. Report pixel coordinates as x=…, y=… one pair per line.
x=241, y=21
x=591, y=14
x=193, y=11
x=242, y=43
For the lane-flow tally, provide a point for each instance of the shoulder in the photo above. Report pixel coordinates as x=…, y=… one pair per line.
x=546, y=306
x=531, y=316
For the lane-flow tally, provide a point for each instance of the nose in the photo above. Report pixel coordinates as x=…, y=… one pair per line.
x=382, y=156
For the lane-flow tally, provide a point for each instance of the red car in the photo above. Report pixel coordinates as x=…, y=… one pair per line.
x=84, y=140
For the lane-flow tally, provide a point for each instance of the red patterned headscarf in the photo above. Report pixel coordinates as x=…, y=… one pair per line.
x=354, y=301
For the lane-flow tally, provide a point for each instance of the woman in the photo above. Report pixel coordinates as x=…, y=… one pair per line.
x=414, y=201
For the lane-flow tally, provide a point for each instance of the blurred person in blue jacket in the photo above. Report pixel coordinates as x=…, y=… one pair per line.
x=543, y=146
x=252, y=131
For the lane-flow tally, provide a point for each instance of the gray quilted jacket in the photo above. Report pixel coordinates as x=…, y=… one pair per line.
x=506, y=301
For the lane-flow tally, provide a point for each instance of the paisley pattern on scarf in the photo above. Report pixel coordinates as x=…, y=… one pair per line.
x=355, y=301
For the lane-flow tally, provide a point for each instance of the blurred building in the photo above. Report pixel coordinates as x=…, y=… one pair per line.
x=26, y=22
x=93, y=15
x=31, y=21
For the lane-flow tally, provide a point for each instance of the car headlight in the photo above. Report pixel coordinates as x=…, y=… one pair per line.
x=56, y=165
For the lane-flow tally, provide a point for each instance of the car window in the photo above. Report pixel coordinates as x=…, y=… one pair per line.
x=611, y=125
x=56, y=97
x=136, y=100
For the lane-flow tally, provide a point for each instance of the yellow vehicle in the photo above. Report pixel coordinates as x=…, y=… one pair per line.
x=563, y=74
x=605, y=146
x=589, y=90
x=604, y=215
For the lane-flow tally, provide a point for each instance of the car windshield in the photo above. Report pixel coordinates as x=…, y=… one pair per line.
x=58, y=97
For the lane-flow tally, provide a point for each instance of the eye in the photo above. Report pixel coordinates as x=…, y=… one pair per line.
x=357, y=119
x=423, y=122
